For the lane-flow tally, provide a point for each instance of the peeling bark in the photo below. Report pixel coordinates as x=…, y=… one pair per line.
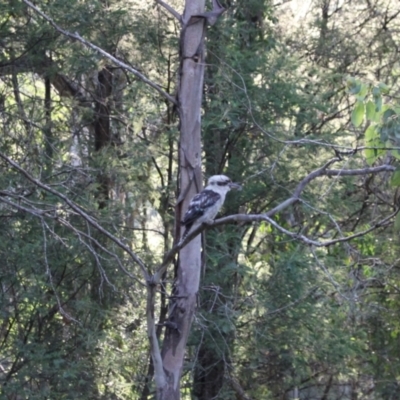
x=189, y=100
x=183, y=303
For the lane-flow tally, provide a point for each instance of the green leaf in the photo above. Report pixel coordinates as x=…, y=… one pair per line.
x=357, y=115
x=388, y=114
x=394, y=334
x=384, y=133
x=376, y=92
x=372, y=140
x=370, y=156
x=367, y=271
x=362, y=92
x=395, y=179
x=397, y=223
x=350, y=81
x=354, y=85
x=371, y=134
x=383, y=88
x=370, y=111
x=396, y=154
x=378, y=103
x=355, y=89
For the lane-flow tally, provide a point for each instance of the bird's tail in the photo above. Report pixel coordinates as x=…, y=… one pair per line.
x=187, y=230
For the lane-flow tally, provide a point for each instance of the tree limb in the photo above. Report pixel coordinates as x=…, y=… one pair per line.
x=305, y=239
x=267, y=217
x=237, y=387
x=323, y=171
x=90, y=220
x=155, y=352
x=170, y=10
x=92, y=46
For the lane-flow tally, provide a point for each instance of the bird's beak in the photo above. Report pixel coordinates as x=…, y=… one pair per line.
x=234, y=185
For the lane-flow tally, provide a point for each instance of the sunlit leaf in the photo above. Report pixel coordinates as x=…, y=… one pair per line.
x=357, y=115
x=367, y=271
x=370, y=155
x=371, y=134
x=372, y=140
x=395, y=179
x=378, y=103
x=362, y=92
x=370, y=111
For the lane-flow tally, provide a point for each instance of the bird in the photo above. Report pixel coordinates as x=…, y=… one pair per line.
x=205, y=205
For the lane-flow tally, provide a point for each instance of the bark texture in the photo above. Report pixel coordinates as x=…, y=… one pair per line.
x=190, y=89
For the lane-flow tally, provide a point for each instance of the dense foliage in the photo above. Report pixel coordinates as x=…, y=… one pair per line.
x=88, y=158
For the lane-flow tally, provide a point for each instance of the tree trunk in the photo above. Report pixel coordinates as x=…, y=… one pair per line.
x=209, y=372
x=102, y=130
x=190, y=90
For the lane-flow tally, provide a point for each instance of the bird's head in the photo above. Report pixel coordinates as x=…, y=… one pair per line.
x=222, y=182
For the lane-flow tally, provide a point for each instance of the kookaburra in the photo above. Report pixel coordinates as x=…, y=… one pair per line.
x=206, y=204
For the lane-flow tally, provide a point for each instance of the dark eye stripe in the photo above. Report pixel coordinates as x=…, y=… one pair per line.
x=223, y=183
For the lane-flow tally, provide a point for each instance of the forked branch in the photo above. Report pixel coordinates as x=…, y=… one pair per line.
x=267, y=217
x=80, y=211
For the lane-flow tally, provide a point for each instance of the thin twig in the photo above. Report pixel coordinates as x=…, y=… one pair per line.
x=52, y=214
x=49, y=274
x=92, y=46
x=248, y=218
x=293, y=303
x=79, y=211
x=297, y=142
x=267, y=217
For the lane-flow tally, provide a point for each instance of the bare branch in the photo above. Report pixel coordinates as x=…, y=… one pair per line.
x=361, y=171
x=243, y=87
x=53, y=214
x=237, y=387
x=267, y=217
x=323, y=171
x=49, y=274
x=155, y=352
x=33, y=211
x=80, y=212
x=249, y=218
x=170, y=10
x=92, y=46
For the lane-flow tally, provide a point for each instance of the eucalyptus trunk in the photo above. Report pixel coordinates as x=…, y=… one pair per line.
x=183, y=303
x=169, y=362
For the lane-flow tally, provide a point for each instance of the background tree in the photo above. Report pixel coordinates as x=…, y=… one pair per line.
x=298, y=293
